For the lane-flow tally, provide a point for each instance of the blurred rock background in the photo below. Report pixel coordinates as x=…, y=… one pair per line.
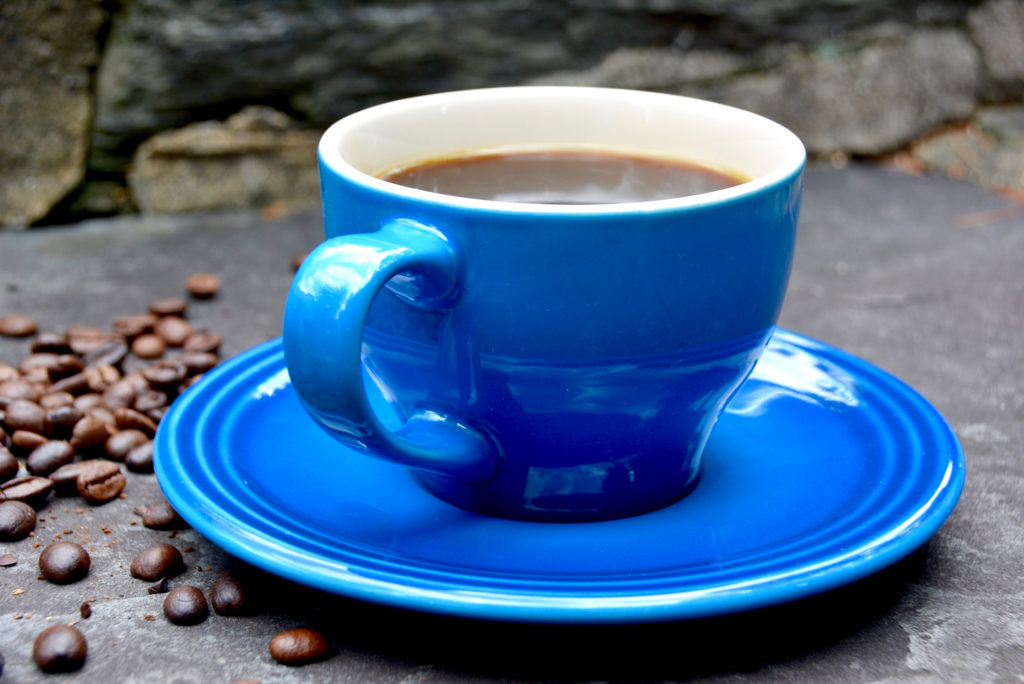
x=111, y=106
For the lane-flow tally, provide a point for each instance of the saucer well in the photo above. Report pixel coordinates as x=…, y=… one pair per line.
x=823, y=470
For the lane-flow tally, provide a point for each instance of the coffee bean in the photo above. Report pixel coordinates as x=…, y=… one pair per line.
x=73, y=384
x=101, y=482
x=186, y=605
x=65, y=478
x=90, y=431
x=158, y=588
x=203, y=341
x=8, y=464
x=85, y=610
x=24, y=442
x=120, y=394
x=130, y=419
x=65, y=366
x=17, y=325
x=85, y=340
x=140, y=459
x=60, y=421
x=30, y=489
x=173, y=330
x=55, y=342
x=52, y=399
x=87, y=401
x=150, y=399
x=22, y=414
x=298, y=646
x=49, y=456
x=159, y=560
x=165, y=374
x=149, y=346
x=198, y=362
x=110, y=353
x=134, y=325
x=42, y=360
x=8, y=372
x=8, y=560
x=169, y=307
x=10, y=390
x=101, y=377
x=64, y=562
x=228, y=596
x=202, y=285
x=60, y=648
x=17, y=519
x=120, y=443
x=161, y=516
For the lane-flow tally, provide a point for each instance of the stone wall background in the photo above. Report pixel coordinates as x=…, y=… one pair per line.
x=178, y=105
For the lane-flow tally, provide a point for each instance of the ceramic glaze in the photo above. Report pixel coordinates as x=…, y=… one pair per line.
x=823, y=469
x=547, y=362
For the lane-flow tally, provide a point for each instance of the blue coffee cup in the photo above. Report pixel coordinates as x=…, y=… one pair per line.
x=549, y=362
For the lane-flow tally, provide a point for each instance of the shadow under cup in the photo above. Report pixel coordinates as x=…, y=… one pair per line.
x=548, y=362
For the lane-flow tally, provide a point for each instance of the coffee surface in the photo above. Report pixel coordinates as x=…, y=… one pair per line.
x=563, y=177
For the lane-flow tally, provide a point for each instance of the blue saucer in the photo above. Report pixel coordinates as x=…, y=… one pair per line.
x=824, y=469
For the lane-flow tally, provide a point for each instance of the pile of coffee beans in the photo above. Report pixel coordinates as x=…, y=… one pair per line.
x=79, y=410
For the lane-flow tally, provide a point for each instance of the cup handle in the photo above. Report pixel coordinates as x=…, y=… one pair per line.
x=323, y=333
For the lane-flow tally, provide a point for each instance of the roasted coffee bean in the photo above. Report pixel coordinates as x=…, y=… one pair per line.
x=140, y=459
x=65, y=366
x=157, y=414
x=64, y=562
x=61, y=421
x=17, y=519
x=24, y=442
x=17, y=325
x=22, y=414
x=73, y=384
x=198, y=362
x=49, y=456
x=8, y=464
x=173, y=330
x=120, y=394
x=52, y=400
x=165, y=374
x=101, y=482
x=65, y=478
x=8, y=560
x=150, y=399
x=5, y=439
x=298, y=646
x=104, y=414
x=149, y=346
x=88, y=401
x=203, y=341
x=44, y=360
x=91, y=431
x=228, y=596
x=85, y=610
x=160, y=516
x=169, y=307
x=186, y=605
x=130, y=419
x=30, y=489
x=12, y=390
x=159, y=560
x=134, y=325
x=120, y=443
x=101, y=377
x=158, y=588
x=110, y=353
x=55, y=342
x=7, y=372
x=202, y=285
x=60, y=648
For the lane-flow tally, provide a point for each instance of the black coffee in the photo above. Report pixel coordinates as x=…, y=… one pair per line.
x=563, y=177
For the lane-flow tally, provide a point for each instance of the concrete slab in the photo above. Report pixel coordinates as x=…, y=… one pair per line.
x=920, y=276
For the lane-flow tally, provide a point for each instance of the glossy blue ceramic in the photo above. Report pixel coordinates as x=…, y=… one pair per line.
x=548, y=362
x=823, y=469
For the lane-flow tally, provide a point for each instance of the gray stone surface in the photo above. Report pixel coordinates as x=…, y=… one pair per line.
x=46, y=105
x=920, y=276
x=255, y=158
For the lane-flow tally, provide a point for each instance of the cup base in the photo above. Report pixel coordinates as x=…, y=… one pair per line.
x=558, y=508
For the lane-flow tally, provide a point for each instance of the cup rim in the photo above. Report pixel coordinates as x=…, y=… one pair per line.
x=331, y=157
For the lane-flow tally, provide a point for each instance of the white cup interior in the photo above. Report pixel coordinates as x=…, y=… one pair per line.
x=441, y=126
